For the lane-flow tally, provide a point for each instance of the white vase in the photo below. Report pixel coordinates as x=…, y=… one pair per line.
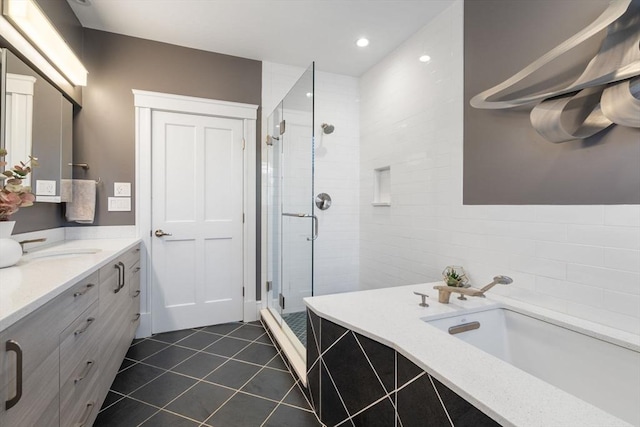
x=10, y=250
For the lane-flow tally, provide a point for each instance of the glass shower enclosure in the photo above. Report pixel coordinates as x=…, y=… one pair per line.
x=292, y=226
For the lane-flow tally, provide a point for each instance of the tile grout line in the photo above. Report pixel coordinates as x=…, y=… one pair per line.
x=440, y=399
x=337, y=391
x=277, y=405
x=175, y=344
x=144, y=361
x=129, y=395
x=237, y=391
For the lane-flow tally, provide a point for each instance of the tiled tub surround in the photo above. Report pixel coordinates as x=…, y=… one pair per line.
x=387, y=326
x=358, y=381
x=33, y=282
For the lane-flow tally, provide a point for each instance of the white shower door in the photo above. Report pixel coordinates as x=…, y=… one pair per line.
x=197, y=210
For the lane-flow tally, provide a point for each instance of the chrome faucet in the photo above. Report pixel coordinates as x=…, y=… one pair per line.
x=444, y=292
x=24, y=242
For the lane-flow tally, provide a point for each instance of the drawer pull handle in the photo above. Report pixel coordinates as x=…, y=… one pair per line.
x=136, y=293
x=123, y=275
x=86, y=289
x=12, y=345
x=135, y=319
x=117, y=289
x=90, y=320
x=86, y=415
x=85, y=372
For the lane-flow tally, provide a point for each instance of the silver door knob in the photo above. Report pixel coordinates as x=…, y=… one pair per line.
x=160, y=233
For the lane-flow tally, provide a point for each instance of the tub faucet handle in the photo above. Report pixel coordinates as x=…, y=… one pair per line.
x=424, y=299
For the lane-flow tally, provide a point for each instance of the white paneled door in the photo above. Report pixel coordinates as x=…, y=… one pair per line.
x=197, y=217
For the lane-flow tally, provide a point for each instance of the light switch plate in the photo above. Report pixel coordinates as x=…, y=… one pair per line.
x=45, y=188
x=119, y=204
x=122, y=189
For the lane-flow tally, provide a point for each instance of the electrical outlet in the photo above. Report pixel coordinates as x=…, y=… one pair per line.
x=119, y=204
x=122, y=189
x=45, y=188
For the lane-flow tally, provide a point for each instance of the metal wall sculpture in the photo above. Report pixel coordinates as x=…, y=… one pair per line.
x=606, y=93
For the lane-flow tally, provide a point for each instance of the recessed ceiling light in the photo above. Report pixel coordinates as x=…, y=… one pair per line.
x=424, y=58
x=362, y=42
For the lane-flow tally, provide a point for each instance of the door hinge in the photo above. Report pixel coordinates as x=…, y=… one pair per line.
x=243, y=218
x=243, y=143
x=281, y=300
x=283, y=125
x=243, y=291
x=269, y=285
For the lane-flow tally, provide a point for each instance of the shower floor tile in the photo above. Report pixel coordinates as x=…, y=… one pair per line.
x=172, y=380
x=298, y=324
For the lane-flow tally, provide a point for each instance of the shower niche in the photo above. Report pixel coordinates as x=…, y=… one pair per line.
x=382, y=186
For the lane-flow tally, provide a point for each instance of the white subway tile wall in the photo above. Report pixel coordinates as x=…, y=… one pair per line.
x=580, y=260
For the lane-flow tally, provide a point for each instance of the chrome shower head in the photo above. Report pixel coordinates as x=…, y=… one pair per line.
x=327, y=128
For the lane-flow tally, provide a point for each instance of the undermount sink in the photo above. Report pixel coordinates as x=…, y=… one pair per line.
x=59, y=253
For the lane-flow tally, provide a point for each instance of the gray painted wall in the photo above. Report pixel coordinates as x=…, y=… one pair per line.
x=104, y=128
x=505, y=160
x=42, y=216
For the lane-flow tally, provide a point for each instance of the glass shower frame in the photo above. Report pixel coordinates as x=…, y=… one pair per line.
x=291, y=223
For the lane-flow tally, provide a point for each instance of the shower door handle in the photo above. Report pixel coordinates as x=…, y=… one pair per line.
x=304, y=215
x=315, y=228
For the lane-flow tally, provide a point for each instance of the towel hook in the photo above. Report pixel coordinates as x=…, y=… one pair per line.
x=99, y=181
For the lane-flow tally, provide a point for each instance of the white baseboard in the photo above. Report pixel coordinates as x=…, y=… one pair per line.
x=251, y=311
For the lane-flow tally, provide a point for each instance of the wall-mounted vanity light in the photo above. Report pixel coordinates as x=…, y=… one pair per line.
x=27, y=17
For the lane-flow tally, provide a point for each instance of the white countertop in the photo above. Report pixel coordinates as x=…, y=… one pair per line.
x=33, y=282
x=512, y=397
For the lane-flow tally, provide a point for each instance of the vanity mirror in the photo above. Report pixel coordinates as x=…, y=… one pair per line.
x=36, y=120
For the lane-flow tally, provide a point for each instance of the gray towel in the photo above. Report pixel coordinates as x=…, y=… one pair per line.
x=66, y=192
x=83, y=207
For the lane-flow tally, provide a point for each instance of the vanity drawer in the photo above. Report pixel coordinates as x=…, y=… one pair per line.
x=77, y=340
x=76, y=391
x=134, y=289
x=81, y=408
x=131, y=257
x=133, y=279
x=80, y=296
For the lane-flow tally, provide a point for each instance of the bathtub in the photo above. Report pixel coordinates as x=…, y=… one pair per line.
x=601, y=371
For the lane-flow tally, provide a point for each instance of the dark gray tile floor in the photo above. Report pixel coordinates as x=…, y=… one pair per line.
x=227, y=375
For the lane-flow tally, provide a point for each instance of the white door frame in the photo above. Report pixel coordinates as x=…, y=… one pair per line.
x=145, y=103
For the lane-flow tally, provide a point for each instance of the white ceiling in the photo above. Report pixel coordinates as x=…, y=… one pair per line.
x=293, y=32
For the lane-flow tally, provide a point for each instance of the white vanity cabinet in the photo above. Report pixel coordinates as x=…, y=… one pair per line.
x=58, y=362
